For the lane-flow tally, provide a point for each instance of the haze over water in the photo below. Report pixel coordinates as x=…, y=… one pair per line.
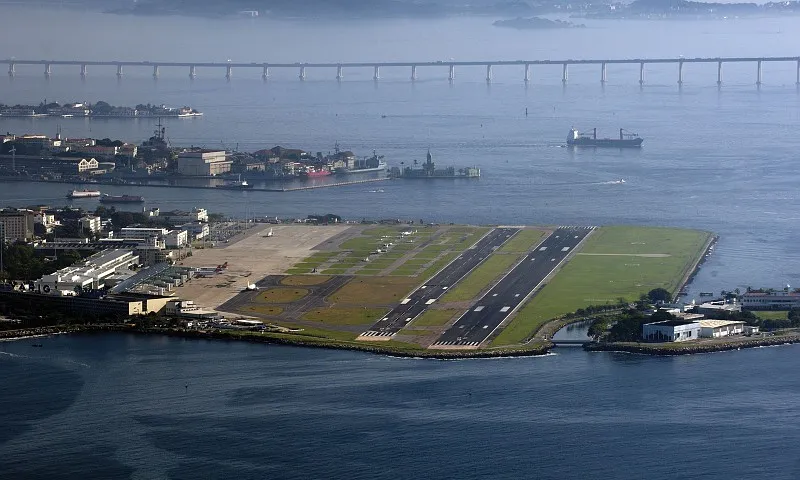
x=722, y=160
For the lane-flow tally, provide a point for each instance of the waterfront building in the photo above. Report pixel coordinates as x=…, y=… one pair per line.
x=720, y=328
x=770, y=299
x=203, y=163
x=88, y=274
x=91, y=224
x=671, y=331
x=17, y=225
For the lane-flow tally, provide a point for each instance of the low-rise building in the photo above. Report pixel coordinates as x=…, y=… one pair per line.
x=176, y=239
x=671, y=331
x=710, y=308
x=196, y=230
x=770, y=300
x=91, y=224
x=203, y=163
x=180, y=216
x=47, y=220
x=130, y=233
x=88, y=274
x=720, y=328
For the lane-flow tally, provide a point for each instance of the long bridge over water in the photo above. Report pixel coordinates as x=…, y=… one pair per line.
x=449, y=66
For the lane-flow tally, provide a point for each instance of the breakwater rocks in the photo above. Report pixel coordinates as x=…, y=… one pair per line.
x=285, y=339
x=694, y=347
x=316, y=342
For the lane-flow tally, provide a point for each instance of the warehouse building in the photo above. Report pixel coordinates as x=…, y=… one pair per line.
x=720, y=328
x=671, y=331
x=203, y=163
x=89, y=274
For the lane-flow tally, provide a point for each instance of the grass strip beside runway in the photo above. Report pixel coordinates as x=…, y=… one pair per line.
x=373, y=291
x=598, y=280
x=481, y=277
x=344, y=316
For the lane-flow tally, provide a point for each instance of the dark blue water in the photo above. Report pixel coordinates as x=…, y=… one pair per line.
x=117, y=406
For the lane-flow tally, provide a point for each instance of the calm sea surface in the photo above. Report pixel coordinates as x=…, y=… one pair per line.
x=717, y=159
x=121, y=406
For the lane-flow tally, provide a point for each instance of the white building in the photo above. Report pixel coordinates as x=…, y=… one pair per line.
x=197, y=231
x=720, y=328
x=671, y=331
x=176, y=239
x=770, y=300
x=91, y=224
x=88, y=274
x=145, y=233
x=710, y=308
x=178, y=216
x=203, y=163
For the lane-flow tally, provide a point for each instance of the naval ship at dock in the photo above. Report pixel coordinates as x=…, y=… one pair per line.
x=429, y=170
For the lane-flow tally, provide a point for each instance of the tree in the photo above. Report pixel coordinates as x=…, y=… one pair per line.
x=659, y=295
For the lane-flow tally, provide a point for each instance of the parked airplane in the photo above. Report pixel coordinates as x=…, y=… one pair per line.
x=251, y=287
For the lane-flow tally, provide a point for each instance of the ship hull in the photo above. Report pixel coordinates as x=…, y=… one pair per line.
x=606, y=143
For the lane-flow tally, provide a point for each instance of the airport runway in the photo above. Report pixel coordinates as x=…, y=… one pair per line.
x=421, y=298
x=502, y=300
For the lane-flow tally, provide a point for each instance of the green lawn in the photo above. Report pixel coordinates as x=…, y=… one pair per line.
x=522, y=242
x=345, y=316
x=597, y=280
x=481, y=277
x=772, y=314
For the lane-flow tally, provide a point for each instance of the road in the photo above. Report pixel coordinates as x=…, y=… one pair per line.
x=483, y=318
x=421, y=298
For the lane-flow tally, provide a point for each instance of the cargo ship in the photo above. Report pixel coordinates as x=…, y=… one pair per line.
x=375, y=163
x=313, y=172
x=83, y=193
x=625, y=140
x=429, y=170
x=121, y=199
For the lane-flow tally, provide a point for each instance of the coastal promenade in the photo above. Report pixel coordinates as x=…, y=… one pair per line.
x=450, y=66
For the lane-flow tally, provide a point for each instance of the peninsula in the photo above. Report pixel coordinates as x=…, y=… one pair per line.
x=99, y=109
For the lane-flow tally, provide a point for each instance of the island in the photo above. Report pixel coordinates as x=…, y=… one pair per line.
x=535, y=23
x=98, y=109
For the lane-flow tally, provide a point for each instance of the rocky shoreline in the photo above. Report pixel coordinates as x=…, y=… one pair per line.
x=689, y=348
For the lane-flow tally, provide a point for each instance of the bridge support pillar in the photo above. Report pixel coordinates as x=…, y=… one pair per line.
x=302, y=73
x=83, y=70
x=376, y=73
x=228, y=72
x=413, y=72
x=452, y=75
x=758, y=74
x=488, y=73
x=603, y=72
x=527, y=72
x=719, y=73
x=119, y=71
x=641, y=73
x=797, y=81
x=680, y=72
x=47, y=70
x=339, y=73
x=265, y=72
x=155, y=71
x=11, y=69
x=565, y=73
x=192, y=71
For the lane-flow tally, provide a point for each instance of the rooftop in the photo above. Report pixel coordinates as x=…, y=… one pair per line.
x=672, y=323
x=718, y=323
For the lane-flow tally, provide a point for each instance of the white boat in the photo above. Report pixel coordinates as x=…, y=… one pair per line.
x=83, y=193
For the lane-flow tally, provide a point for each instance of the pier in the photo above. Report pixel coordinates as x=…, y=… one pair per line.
x=434, y=67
